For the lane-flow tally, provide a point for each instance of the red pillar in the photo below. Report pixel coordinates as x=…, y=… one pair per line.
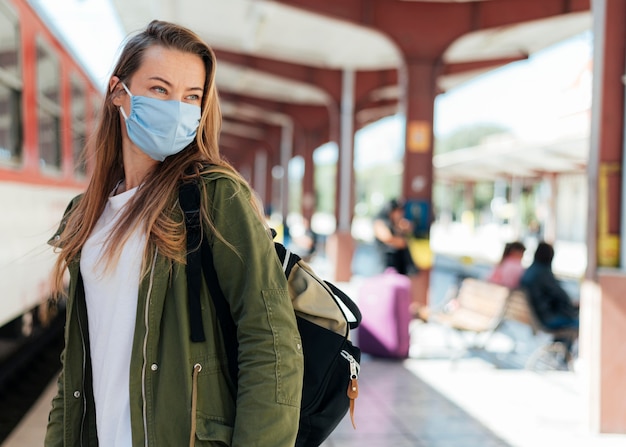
x=603, y=304
x=418, y=166
x=308, y=185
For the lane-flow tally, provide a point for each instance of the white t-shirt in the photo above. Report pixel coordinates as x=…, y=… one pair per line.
x=111, y=297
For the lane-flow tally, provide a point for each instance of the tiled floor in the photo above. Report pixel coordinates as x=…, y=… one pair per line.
x=483, y=399
x=396, y=408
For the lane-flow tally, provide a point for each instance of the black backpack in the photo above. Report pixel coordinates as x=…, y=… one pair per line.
x=331, y=361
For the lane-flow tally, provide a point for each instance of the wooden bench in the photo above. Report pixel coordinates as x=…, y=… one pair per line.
x=481, y=307
x=477, y=308
x=518, y=309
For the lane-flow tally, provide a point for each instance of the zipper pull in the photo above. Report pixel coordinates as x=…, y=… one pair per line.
x=353, y=385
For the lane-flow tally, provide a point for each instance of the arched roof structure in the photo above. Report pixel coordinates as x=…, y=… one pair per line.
x=287, y=56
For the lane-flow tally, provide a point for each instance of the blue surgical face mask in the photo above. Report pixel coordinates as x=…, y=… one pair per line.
x=160, y=128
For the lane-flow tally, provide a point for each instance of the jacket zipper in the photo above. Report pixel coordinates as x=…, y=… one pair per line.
x=145, y=349
x=82, y=342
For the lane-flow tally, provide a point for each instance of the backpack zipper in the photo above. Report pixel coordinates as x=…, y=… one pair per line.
x=353, y=385
x=355, y=368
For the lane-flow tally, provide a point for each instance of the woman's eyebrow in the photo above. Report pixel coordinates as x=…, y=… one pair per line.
x=158, y=78
x=169, y=84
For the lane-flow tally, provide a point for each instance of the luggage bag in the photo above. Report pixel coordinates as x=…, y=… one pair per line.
x=384, y=302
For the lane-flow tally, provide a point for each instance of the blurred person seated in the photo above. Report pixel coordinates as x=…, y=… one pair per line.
x=550, y=302
x=392, y=231
x=509, y=270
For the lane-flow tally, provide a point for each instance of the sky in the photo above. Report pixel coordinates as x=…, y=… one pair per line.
x=91, y=28
x=524, y=96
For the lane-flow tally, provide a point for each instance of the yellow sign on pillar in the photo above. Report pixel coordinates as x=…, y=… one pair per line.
x=607, y=244
x=608, y=250
x=418, y=136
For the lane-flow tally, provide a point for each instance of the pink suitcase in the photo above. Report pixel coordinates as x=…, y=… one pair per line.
x=384, y=302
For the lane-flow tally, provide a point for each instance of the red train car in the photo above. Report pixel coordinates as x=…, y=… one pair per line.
x=48, y=106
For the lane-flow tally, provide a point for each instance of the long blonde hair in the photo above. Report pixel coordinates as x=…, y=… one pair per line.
x=151, y=207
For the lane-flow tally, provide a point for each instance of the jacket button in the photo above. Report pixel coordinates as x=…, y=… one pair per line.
x=154, y=367
x=298, y=346
x=77, y=394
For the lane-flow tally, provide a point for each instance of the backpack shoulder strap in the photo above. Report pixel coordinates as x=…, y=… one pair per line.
x=189, y=199
x=287, y=259
x=222, y=310
x=354, y=322
x=200, y=261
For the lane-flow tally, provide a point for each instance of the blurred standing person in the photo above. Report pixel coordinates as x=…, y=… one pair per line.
x=303, y=240
x=137, y=366
x=509, y=270
x=386, y=298
x=392, y=231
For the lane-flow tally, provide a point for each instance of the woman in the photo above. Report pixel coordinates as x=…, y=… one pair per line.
x=510, y=269
x=131, y=375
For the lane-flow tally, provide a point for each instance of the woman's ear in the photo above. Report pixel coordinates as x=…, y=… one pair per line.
x=115, y=89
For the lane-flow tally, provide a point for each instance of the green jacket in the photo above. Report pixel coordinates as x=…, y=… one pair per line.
x=264, y=408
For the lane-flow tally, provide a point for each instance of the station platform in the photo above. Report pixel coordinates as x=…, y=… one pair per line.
x=438, y=398
x=482, y=399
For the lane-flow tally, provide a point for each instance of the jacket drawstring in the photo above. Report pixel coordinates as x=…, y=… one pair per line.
x=194, y=399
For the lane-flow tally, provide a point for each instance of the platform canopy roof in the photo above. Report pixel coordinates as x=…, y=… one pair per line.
x=504, y=157
x=277, y=31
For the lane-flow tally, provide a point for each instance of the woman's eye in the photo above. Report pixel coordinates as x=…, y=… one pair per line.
x=159, y=90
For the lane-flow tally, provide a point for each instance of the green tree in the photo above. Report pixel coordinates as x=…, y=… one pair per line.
x=467, y=136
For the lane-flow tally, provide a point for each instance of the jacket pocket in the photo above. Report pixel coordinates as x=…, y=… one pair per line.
x=213, y=391
x=287, y=347
x=212, y=432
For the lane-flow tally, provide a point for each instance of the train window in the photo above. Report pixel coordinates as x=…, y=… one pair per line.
x=94, y=116
x=96, y=104
x=49, y=109
x=79, y=126
x=10, y=88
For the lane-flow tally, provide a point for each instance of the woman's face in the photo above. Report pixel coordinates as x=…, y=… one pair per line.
x=166, y=74
x=396, y=215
